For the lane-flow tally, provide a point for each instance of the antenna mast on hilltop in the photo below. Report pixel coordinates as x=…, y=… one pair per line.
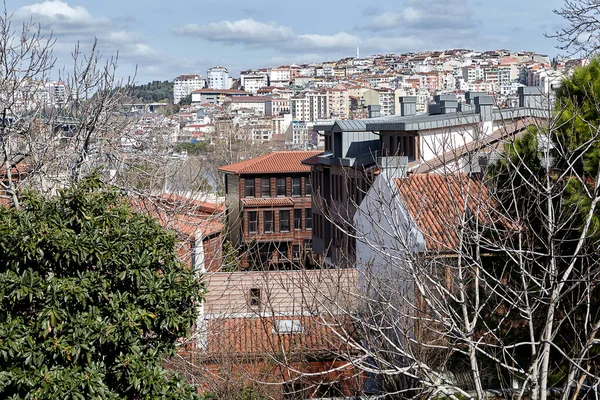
x=357, y=52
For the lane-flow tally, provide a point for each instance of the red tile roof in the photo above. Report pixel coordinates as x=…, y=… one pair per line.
x=278, y=162
x=268, y=201
x=440, y=204
x=183, y=215
x=253, y=336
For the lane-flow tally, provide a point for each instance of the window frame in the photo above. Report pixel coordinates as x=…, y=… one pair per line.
x=251, y=220
x=277, y=184
x=281, y=220
x=268, y=187
x=296, y=186
x=249, y=187
x=254, y=297
x=268, y=220
x=297, y=219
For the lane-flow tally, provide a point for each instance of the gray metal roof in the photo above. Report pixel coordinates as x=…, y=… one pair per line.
x=350, y=125
x=419, y=122
x=423, y=121
x=427, y=121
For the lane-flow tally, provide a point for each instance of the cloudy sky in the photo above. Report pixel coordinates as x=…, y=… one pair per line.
x=168, y=38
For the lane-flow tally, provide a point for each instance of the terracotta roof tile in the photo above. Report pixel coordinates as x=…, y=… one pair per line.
x=268, y=201
x=440, y=204
x=276, y=162
x=261, y=335
x=183, y=215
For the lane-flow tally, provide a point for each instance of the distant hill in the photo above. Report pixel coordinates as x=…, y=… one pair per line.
x=154, y=91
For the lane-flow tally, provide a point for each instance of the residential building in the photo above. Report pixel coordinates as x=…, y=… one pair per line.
x=258, y=104
x=300, y=107
x=280, y=105
x=218, y=78
x=269, y=209
x=354, y=149
x=215, y=96
x=253, y=81
x=317, y=105
x=338, y=103
x=184, y=85
x=281, y=76
x=387, y=99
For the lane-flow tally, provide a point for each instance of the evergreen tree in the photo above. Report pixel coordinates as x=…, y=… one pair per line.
x=92, y=299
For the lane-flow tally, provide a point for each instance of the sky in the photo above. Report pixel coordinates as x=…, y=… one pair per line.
x=163, y=39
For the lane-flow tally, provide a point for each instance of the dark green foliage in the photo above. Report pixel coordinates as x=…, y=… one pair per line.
x=193, y=149
x=92, y=297
x=186, y=101
x=578, y=118
x=154, y=91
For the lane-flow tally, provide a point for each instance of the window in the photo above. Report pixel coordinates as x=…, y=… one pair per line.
x=297, y=219
x=252, y=221
x=282, y=250
x=308, y=220
x=249, y=187
x=307, y=187
x=296, y=252
x=284, y=221
x=265, y=188
x=280, y=186
x=268, y=221
x=255, y=297
x=288, y=326
x=296, y=186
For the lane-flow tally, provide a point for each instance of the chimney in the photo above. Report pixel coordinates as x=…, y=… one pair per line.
x=471, y=96
x=374, y=111
x=530, y=97
x=408, y=105
x=483, y=106
x=444, y=104
x=465, y=107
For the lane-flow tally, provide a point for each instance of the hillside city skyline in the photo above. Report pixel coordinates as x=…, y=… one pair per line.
x=164, y=42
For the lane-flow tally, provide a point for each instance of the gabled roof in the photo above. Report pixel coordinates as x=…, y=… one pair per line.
x=278, y=162
x=259, y=336
x=184, y=215
x=441, y=204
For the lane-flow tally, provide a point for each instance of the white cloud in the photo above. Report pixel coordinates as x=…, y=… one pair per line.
x=256, y=33
x=58, y=10
x=340, y=40
x=428, y=15
x=241, y=31
x=75, y=24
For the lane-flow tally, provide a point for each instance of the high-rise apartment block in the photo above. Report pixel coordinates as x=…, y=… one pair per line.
x=184, y=85
x=218, y=78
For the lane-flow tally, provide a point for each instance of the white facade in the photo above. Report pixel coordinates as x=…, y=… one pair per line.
x=218, y=78
x=280, y=76
x=252, y=82
x=300, y=108
x=184, y=85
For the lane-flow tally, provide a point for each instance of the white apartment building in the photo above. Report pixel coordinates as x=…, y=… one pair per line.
x=280, y=105
x=472, y=73
x=280, y=76
x=184, y=85
x=218, y=78
x=300, y=108
x=317, y=104
x=57, y=93
x=252, y=82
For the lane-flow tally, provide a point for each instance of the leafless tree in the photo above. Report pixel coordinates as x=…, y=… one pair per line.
x=581, y=33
